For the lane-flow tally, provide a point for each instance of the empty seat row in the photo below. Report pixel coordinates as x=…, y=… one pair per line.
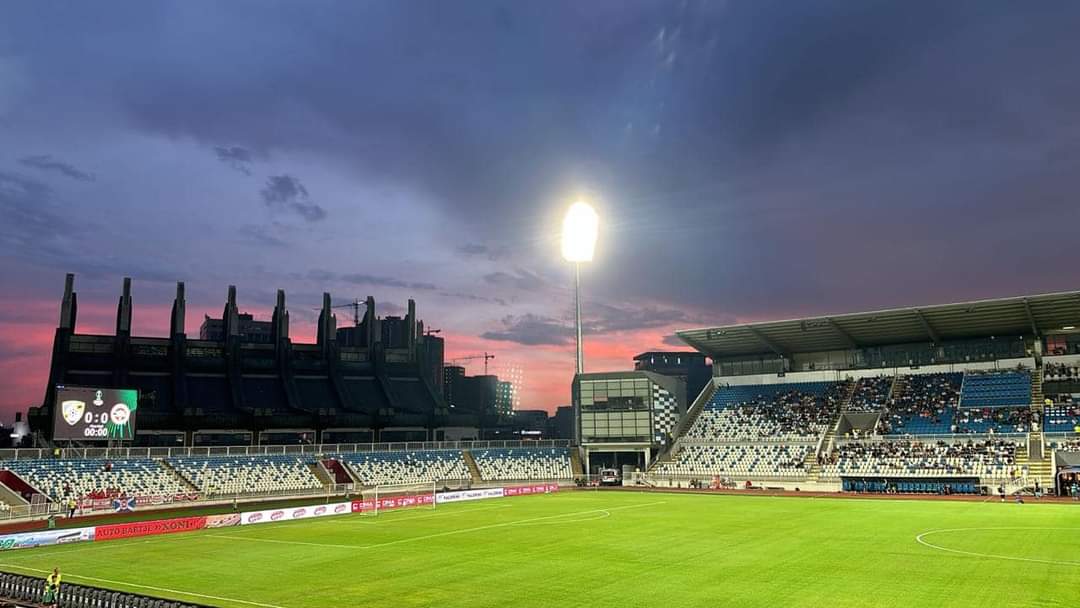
x=523, y=463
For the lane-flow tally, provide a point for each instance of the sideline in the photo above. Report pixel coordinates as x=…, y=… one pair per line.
x=150, y=587
x=920, y=539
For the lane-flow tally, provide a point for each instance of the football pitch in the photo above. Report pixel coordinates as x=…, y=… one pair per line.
x=608, y=549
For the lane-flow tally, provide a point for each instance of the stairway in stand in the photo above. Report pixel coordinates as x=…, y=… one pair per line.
x=813, y=468
x=474, y=471
x=184, y=480
x=852, y=385
x=1037, y=392
x=575, y=463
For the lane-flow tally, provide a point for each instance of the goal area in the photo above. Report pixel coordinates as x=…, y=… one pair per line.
x=394, y=497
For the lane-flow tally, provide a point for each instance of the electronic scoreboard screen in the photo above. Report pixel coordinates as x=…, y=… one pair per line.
x=94, y=414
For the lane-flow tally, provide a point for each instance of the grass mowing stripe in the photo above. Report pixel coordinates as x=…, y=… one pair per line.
x=147, y=587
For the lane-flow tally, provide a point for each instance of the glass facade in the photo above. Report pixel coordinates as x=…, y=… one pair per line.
x=615, y=410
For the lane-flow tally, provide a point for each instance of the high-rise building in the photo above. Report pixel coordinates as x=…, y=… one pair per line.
x=690, y=366
x=504, y=397
x=451, y=375
x=258, y=332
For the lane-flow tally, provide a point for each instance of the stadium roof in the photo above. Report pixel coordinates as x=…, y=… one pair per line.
x=1022, y=315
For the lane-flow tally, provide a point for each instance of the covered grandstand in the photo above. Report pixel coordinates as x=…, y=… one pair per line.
x=962, y=397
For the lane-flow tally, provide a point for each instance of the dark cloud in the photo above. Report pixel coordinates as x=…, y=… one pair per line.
x=479, y=250
x=236, y=157
x=380, y=281
x=285, y=192
x=46, y=162
x=602, y=318
x=326, y=276
x=261, y=235
x=532, y=330
x=472, y=297
x=673, y=340
x=522, y=279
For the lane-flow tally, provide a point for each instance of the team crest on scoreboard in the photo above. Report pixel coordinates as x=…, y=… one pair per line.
x=73, y=411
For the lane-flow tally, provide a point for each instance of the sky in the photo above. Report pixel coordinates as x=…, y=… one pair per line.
x=749, y=160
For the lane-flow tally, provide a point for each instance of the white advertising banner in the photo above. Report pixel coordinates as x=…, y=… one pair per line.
x=468, y=495
x=294, y=513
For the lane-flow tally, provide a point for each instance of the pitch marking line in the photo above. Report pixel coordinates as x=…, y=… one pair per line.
x=920, y=540
x=150, y=587
x=436, y=535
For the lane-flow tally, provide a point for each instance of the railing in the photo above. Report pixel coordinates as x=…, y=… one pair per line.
x=931, y=438
x=299, y=449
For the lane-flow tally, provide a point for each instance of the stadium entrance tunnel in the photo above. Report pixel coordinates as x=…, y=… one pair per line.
x=21, y=590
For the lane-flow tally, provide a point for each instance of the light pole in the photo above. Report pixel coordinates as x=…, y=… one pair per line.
x=578, y=243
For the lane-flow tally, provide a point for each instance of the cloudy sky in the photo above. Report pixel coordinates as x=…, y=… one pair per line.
x=749, y=159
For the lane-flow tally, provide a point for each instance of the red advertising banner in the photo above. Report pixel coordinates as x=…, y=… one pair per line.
x=148, y=528
x=542, y=488
x=392, y=502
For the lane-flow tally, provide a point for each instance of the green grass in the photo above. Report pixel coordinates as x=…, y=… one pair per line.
x=609, y=549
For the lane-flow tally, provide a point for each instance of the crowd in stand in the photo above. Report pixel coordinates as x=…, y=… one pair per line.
x=974, y=458
x=789, y=415
x=1061, y=371
x=993, y=420
x=871, y=394
x=929, y=396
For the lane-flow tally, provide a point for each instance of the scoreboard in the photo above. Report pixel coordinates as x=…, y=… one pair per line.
x=94, y=414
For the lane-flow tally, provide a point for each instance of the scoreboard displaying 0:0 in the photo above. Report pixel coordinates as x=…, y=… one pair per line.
x=94, y=414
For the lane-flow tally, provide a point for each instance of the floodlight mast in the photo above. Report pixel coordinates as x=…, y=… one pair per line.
x=578, y=245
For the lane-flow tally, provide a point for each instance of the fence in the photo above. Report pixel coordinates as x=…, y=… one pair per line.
x=258, y=450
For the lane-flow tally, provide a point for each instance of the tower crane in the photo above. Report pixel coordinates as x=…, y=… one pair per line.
x=486, y=357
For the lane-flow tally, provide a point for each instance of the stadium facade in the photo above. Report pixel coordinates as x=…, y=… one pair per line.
x=247, y=381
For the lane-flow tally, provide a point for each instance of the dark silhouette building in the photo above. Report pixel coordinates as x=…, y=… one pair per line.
x=368, y=382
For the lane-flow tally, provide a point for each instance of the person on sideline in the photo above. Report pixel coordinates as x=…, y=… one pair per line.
x=52, y=589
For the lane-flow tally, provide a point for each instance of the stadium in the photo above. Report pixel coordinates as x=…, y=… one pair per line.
x=904, y=437
x=489, y=303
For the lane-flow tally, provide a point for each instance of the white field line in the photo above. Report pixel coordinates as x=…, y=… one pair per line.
x=436, y=535
x=437, y=513
x=150, y=587
x=920, y=539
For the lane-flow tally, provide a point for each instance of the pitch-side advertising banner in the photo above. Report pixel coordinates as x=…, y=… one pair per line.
x=391, y=502
x=542, y=488
x=294, y=513
x=43, y=538
x=464, y=495
x=148, y=528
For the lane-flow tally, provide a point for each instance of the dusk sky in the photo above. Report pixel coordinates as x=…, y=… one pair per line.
x=749, y=160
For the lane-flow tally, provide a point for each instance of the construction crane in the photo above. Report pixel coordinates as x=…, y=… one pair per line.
x=486, y=357
x=355, y=305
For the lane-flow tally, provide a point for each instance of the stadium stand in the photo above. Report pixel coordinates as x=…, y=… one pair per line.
x=1069, y=445
x=925, y=406
x=992, y=420
x=1061, y=372
x=996, y=389
x=762, y=461
x=781, y=412
x=226, y=475
x=990, y=458
x=62, y=479
x=412, y=467
x=526, y=463
x=1061, y=417
x=871, y=394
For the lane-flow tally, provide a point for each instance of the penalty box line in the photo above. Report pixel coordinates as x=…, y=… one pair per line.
x=436, y=535
x=149, y=587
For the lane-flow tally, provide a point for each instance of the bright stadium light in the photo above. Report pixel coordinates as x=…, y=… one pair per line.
x=578, y=244
x=579, y=233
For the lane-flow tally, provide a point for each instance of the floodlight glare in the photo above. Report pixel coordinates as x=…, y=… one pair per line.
x=579, y=233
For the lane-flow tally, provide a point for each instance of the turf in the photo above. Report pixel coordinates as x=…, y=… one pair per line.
x=617, y=549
